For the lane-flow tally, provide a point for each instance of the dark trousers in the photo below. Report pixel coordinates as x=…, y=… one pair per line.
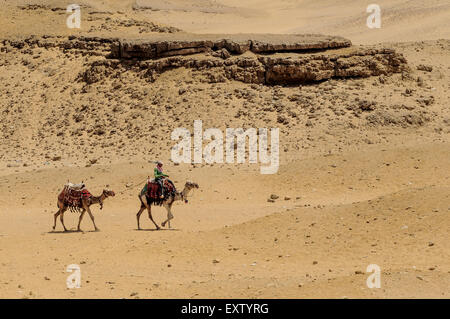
x=160, y=182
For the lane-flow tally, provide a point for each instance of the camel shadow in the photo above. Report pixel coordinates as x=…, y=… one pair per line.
x=71, y=231
x=63, y=231
x=153, y=229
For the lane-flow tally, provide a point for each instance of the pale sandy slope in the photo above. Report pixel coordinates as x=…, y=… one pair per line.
x=402, y=20
x=384, y=205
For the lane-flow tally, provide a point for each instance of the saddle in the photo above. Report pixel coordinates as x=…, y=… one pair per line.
x=73, y=196
x=75, y=186
x=154, y=190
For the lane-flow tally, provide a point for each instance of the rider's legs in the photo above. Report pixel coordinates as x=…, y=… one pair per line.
x=160, y=182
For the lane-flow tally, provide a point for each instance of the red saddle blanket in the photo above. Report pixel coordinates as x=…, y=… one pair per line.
x=72, y=197
x=154, y=189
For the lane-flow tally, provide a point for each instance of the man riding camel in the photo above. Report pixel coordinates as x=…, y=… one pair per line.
x=159, y=178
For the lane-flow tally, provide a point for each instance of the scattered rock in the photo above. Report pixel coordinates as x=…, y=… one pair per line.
x=426, y=68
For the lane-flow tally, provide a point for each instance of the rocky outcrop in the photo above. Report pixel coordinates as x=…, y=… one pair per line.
x=261, y=59
x=359, y=62
x=236, y=44
x=154, y=50
x=280, y=68
x=268, y=58
x=86, y=45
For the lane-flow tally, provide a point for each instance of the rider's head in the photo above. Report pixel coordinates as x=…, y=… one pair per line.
x=159, y=164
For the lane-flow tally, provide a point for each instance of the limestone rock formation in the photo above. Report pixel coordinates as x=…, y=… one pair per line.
x=260, y=59
x=268, y=58
x=158, y=47
x=279, y=68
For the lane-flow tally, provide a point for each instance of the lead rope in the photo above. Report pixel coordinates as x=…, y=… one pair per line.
x=133, y=185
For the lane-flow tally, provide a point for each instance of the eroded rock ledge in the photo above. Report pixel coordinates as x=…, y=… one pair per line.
x=279, y=68
x=186, y=44
x=260, y=59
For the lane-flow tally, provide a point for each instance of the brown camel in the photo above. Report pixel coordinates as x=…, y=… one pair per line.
x=166, y=202
x=85, y=207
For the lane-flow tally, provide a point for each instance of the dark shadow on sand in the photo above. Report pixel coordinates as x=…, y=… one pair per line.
x=153, y=229
x=72, y=231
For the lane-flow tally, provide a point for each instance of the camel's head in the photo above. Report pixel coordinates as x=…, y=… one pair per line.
x=188, y=186
x=108, y=193
x=191, y=185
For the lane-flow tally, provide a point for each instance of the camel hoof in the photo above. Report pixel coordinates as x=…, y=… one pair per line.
x=97, y=229
x=163, y=224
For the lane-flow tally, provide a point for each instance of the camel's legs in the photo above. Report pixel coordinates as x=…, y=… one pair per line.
x=61, y=216
x=138, y=215
x=56, y=217
x=92, y=218
x=143, y=206
x=81, y=217
x=169, y=215
x=149, y=208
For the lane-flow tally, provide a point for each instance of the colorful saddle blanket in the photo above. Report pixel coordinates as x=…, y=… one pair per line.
x=73, y=197
x=153, y=189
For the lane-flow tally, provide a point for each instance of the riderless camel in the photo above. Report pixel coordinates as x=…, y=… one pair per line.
x=166, y=202
x=85, y=207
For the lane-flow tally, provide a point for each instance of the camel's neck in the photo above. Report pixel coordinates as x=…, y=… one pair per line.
x=98, y=199
x=183, y=194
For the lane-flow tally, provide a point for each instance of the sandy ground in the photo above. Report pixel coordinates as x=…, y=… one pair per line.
x=391, y=211
x=350, y=192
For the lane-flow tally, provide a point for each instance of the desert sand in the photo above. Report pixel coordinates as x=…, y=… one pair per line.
x=364, y=174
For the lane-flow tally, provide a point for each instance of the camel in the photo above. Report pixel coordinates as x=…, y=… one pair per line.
x=85, y=207
x=166, y=202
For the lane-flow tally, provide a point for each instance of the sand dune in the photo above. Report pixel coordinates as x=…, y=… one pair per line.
x=402, y=20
